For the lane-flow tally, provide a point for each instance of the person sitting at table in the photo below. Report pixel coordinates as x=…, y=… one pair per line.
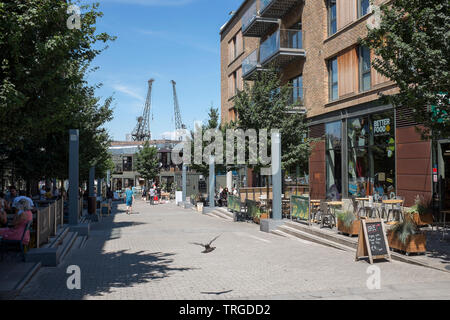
x=3, y=207
x=22, y=217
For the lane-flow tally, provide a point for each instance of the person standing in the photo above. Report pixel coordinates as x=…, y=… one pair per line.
x=152, y=194
x=129, y=196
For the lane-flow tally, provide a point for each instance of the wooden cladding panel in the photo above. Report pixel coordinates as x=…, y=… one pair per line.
x=348, y=72
x=377, y=78
x=346, y=12
x=413, y=165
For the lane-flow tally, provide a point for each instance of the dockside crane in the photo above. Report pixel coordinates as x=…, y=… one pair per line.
x=178, y=123
x=142, y=130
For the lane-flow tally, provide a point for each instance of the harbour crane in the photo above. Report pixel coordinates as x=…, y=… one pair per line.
x=142, y=130
x=178, y=123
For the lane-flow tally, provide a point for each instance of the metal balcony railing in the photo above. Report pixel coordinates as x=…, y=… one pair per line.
x=288, y=43
x=276, y=8
x=265, y=3
x=250, y=63
x=249, y=16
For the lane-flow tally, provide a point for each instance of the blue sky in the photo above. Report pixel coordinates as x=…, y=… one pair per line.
x=165, y=40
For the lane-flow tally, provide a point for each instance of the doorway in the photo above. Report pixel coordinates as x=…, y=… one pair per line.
x=444, y=174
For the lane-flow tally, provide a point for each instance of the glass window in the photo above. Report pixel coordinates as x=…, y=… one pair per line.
x=332, y=17
x=358, y=132
x=333, y=138
x=333, y=79
x=364, y=69
x=127, y=163
x=364, y=6
x=297, y=90
x=371, y=156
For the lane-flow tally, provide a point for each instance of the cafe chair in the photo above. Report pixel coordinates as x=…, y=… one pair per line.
x=326, y=217
x=396, y=211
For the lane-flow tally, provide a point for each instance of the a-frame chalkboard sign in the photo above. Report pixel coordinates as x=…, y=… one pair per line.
x=372, y=241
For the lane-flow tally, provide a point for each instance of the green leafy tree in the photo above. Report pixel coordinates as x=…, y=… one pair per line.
x=147, y=162
x=268, y=105
x=44, y=92
x=413, y=49
x=211, y=124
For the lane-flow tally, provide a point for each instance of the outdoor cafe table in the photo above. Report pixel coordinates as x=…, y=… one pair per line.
x=394, y=202
x=363, y=200
x=334, y=204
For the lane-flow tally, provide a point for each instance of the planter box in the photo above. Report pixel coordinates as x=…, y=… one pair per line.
x=414, y=244
x=422, y=220
x=258, y=219
x=353, y=230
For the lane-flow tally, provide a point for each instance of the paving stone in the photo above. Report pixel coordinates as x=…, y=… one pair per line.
x=150, y=255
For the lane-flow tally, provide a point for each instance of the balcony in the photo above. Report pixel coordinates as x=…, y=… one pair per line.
x=251, y=66
x=276, y=8
x=253, y=25
x=282, y=48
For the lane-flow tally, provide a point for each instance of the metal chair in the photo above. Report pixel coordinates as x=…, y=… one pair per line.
x=326, y=217
x=396, y=211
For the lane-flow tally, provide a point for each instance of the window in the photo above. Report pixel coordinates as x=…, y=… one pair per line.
x=127, y=163
x=333, y=79
x=297, y=90
x=295, y=36
x=235, y=47
x=365, y=69
x=333, y=136
x=371, y=156
x=363, y=7
x=332, y=17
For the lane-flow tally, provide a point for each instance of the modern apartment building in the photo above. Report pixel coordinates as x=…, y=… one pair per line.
x=364, y=146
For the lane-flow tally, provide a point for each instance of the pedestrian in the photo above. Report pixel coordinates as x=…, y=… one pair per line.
x=11, y=196
x=129, y=196
x=3, y=207
x=152, y=194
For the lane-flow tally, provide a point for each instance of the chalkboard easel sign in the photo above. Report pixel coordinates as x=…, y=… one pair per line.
x=372, y=241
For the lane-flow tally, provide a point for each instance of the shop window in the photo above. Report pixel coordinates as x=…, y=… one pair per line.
x=333, y=140
x=371, y=156
x=332, y=17
x=365, y=69
x=333, y=79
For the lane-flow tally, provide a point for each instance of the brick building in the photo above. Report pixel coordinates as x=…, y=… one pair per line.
x=365, y=147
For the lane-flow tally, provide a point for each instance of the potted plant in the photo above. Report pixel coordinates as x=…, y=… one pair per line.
x=258, y=216
x=193, y=200
x=406, y=237
x=421, y=212
x=348, y=223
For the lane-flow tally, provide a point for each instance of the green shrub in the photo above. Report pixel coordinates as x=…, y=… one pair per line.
x=347, y=218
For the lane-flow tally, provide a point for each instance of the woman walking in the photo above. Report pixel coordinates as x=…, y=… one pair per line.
x=129, y=195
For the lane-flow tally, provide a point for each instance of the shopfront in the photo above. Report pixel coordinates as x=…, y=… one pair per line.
x=360, y=153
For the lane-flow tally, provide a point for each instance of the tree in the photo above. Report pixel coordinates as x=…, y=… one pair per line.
x=268, y=105
x=43, y=88
x=413, y=49
x=211, y=124
x=147, y=162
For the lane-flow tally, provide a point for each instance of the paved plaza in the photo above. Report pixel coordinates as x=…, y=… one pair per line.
x=150, y=255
